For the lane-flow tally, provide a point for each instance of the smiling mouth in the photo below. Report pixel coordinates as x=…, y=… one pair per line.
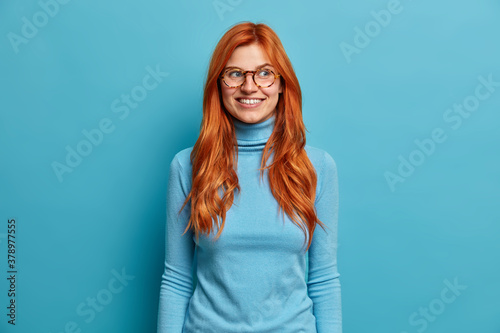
x=250, y=101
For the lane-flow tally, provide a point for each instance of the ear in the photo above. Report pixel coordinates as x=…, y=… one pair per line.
x=280, y=91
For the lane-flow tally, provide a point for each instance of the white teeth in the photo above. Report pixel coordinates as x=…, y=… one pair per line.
x=249, y=101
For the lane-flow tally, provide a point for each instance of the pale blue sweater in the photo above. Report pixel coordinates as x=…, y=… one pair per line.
x=252, y=279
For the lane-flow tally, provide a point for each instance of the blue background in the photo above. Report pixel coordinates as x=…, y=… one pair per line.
x=400, y=245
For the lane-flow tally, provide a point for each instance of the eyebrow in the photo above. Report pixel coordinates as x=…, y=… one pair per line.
x=260, y=66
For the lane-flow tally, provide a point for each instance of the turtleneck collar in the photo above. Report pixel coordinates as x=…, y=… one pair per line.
x=252, y=137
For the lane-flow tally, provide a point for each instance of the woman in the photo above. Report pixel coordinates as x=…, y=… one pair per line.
x=228, y=195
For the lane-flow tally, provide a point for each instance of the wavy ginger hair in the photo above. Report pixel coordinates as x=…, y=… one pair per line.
x=292, y=177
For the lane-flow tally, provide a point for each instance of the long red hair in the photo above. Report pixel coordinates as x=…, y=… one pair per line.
x=292, y=177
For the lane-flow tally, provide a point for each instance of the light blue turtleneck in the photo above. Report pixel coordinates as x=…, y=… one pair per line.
x=252, y=279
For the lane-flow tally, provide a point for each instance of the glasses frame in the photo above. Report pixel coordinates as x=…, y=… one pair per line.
x=245, y=74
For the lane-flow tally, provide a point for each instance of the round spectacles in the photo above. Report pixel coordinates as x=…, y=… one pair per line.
x=235, y=77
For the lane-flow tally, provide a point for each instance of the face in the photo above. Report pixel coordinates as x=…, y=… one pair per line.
x=250, y=57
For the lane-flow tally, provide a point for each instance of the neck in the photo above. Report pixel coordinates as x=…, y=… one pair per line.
x=253, y=137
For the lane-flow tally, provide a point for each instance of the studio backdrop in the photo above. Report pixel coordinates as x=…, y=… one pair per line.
x=98, y=96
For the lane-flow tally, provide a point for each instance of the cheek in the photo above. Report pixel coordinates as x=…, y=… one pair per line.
x=226, y=95
x=273, y=93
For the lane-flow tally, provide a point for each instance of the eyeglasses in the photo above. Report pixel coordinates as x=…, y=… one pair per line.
x=235, y=77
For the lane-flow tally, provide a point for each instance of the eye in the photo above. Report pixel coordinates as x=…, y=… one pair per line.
x=234, y=73
x=264, y=73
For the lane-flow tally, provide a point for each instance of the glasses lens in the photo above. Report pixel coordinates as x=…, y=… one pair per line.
x=264, y=77
x=234, y=77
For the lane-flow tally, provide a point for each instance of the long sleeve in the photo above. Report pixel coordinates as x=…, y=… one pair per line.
x=176, y=284
x=323, y=277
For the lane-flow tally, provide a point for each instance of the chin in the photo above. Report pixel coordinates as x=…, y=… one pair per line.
x=251, y=116
x=252, y=119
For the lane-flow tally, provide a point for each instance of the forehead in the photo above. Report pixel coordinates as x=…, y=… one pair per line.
x=248, y=57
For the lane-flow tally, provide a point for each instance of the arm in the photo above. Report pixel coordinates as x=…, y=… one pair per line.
x=323, y=277
x=176, y=284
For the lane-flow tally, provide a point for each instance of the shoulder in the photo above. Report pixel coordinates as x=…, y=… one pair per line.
x=181, y=164
x=321, y=160
x=181, y=171
x=182, y=159
x=326, y=171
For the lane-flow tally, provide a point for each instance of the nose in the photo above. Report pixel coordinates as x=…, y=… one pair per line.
x=249, y=86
